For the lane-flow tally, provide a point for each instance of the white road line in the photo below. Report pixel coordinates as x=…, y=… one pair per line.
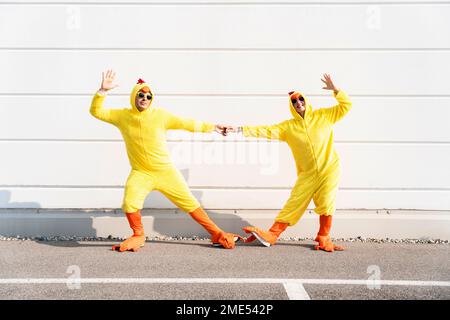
x=225, y=280
x=294, y=287
x=296, y=291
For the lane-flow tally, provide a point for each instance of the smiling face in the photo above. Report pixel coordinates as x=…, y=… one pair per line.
x=143, y=99
x=299, y=104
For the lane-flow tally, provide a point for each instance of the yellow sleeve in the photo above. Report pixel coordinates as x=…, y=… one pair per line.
x=338, y=111
x=108, y=115
x=174, y=122
x=275, y=132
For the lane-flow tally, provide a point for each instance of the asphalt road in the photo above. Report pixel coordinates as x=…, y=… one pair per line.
x=195, y=270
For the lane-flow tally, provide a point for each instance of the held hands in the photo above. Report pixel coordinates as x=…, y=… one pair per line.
x=221, y=129
x=108, y=80
x=329, y=85
x=233, y=129
x=224, y=129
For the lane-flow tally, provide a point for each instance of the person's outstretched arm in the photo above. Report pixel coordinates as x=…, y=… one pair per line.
x=174, y=122
x=97, y=110
x=338, y=111
x=273, y=132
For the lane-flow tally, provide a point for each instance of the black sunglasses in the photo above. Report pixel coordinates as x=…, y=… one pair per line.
x=141, y=95
x=299, y=98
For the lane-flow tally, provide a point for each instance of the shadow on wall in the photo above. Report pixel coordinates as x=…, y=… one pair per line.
x=71, y=223
x=5, y=202
x=188, y=227
x=25, y=219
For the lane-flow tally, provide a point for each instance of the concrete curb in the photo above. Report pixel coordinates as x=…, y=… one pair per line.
x=378, y=224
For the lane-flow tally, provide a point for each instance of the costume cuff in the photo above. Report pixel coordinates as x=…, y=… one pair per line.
x=339, y=93
x=102, y=92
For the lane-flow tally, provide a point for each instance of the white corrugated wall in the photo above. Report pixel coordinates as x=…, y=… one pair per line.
x=225, y=62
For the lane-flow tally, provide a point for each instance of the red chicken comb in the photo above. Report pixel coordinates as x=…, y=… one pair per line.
x=140, y=81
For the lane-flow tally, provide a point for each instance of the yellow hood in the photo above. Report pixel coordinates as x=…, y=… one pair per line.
x=140, y=84
x=307, y=105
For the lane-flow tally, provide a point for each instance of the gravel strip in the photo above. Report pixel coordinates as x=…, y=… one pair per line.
x=195, y=238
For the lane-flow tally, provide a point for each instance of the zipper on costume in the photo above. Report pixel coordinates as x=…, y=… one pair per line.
x=142, y=138
x=310, y=144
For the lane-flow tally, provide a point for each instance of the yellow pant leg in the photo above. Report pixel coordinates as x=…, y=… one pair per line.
x=325, y=196
x=298, y=201
x=172, y=184
x=137, y=187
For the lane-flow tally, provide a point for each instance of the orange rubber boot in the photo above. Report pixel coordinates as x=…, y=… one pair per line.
x=226, y=240
x=323, y=236
x=267, y=238
x=137, y=240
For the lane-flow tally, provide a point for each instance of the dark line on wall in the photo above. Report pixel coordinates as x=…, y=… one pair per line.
x=222, y=141
x=241, y=3
x=221, y=95
x=227, y=49
x=217, y=188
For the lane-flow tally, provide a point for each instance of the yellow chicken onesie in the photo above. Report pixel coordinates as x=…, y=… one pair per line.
x=310, y=139
x=144, y=133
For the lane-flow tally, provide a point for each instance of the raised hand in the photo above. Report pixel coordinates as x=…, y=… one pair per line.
x=108, y=80
x=329, y=85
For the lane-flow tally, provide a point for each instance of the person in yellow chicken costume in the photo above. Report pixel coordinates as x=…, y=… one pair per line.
x=309, y=134
x=144, y=131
